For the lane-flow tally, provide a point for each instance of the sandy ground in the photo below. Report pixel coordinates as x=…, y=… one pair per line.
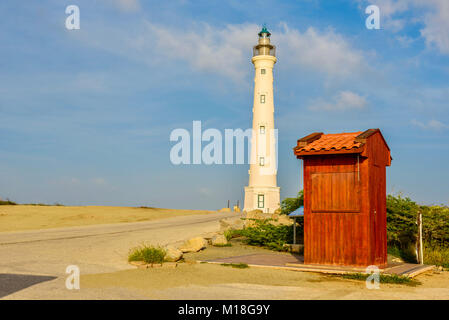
x=33, y=263
x=28, y=217
x=211, y=281
x=208, y=281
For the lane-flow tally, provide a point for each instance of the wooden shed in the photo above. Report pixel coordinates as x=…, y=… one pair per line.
x=345, y=198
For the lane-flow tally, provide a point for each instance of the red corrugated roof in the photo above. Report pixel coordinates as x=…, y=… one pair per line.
x=318, y=143
x=333, y=141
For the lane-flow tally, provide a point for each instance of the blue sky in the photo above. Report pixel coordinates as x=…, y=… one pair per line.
x=86, y=115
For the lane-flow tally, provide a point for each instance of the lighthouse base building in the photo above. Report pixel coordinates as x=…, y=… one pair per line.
x=266, y=199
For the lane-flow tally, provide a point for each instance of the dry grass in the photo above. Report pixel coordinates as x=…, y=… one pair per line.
x=437, y=256
x=28, y=217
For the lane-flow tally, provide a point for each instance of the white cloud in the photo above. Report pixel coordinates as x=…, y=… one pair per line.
x=74, y=181
x=434, y=14
x=405, y=41
x=226, y=50
x=389, y=8
x=430, y=125
x=127, y=5
x=98, y=181
x=327, y=51
x=205, y=192
x=344, y=100
x=436, y=30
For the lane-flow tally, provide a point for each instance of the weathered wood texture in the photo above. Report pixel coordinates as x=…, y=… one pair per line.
x=345, y=205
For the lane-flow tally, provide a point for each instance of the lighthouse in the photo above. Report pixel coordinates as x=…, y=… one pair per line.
x=262, y=191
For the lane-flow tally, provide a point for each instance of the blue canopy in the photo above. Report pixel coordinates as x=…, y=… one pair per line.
x=297, y=213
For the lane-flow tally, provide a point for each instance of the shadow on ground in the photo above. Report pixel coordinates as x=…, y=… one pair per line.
x=10, y=283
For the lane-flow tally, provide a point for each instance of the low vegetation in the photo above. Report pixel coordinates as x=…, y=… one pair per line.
x=229, y=234
x=7, y=202
x=407, y=254
x=235, y=265
x=223, y=245
x=438, y=256
x=402, y=230
x=148, y=254
x=44, y=204
x=288, y=205
x=264, y=234
x=383, y=278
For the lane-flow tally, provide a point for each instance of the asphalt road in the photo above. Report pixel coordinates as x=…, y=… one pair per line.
x=33, y=263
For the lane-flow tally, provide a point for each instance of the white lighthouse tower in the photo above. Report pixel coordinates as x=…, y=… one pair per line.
x=262, y=191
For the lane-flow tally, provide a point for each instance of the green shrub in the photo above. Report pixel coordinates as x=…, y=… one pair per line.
x=407, y=254
x=288, y=205
x=401, y=223
x=7, y=202
x=402, y=230
x=148, y=254
x=236, y=265
x=229, y=234
x=264, y=234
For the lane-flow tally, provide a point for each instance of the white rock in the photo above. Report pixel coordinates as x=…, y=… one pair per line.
x=234, y=223
x=218, y=240
x=172, y=254
x=193, y=245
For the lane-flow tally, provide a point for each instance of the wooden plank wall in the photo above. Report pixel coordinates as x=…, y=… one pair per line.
x=378, y=156
x=336, y=236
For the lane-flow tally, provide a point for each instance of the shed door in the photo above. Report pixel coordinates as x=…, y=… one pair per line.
x=335, y=192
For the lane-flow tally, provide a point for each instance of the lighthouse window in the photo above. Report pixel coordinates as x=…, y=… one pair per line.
x=262, y=98
x=262, y=71
x=261, y=161
x=262, y=129
x=260, y=200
